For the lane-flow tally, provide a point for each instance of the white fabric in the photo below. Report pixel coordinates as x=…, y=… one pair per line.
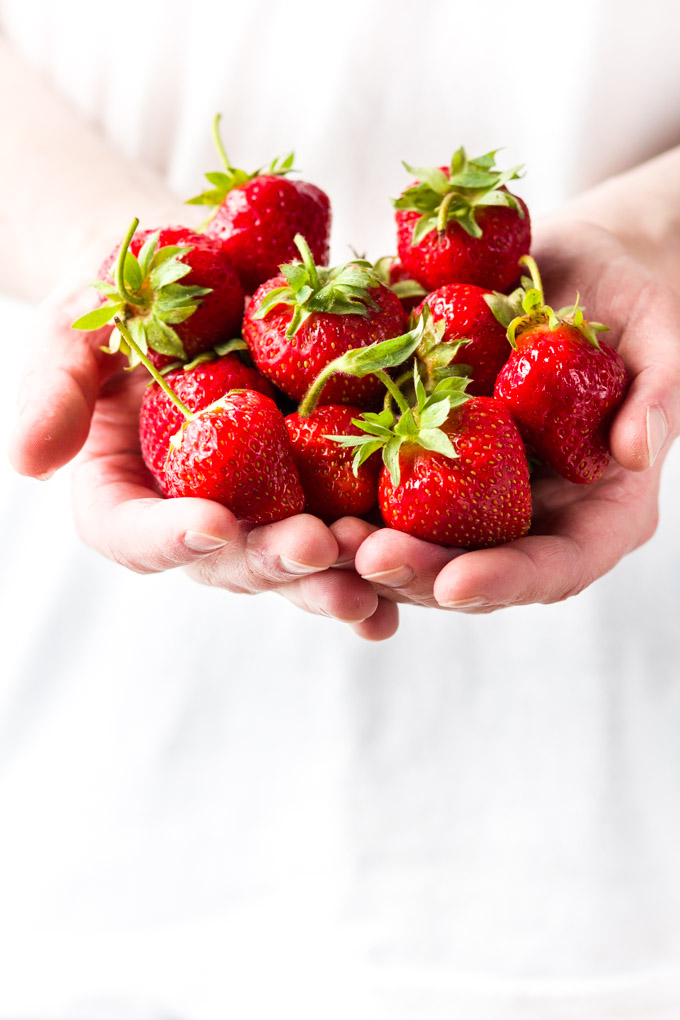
x=262, y=813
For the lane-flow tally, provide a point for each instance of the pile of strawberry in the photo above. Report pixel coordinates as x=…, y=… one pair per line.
x=413, y=387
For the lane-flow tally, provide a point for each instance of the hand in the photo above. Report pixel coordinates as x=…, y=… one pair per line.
x=78, y=400
x=579, y=532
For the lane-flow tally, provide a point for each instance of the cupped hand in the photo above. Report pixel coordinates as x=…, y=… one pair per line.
x=78, y=402
x=579, y=532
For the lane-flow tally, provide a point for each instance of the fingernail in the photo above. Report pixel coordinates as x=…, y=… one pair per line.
x=200, y=543
x=394, y=578
x=293, y=567
x=342, y=564
x=478, y=600
x=657, y=431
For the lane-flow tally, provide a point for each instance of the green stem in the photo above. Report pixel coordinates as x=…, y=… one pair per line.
x=120, y=264
x=306, y=254
x=218, y=142
x=399, y=382
x=125, y=333
x=443, y=217
x=526, y=260
x=311, y=397
x=393, y=389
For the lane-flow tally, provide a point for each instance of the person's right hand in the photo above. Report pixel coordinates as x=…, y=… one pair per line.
x=78, y=400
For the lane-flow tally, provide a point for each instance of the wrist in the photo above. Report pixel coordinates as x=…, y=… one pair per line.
x=641, y=208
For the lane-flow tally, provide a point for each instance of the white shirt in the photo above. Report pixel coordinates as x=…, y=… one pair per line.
x=478, y=818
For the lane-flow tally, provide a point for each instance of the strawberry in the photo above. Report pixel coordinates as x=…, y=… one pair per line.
x=197, y=384
x=460, y=224
x=331, y=488
x=561, y=383
x=465, y=313
x=305, y=318
x=170, y=321
x=257, y=216
x=235, y=451
x=455, y=471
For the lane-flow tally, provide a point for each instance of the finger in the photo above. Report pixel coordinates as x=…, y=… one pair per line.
x=349, y=533
x=119, y=514
x=577, y=544
x=402, y=567
x=59, y=391
x=266, y=557
x=339, y=594
x=381, y=625
x=650, y=416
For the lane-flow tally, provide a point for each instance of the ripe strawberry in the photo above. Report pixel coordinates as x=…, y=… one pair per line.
x=561, y=384
x=305, y=318
x=466, y=315
x=455, y=469
x=170, y=321
x=235, y=451
x=332, y=490
x=258, y=215
x=460, y=224
x=197, y=384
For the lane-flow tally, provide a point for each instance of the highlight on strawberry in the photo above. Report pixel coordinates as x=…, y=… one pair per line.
x=460, y=224
x=170, y=321
x=561, y=382
x=257, y=215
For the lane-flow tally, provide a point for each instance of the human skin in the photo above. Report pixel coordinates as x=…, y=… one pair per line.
x=78, y=405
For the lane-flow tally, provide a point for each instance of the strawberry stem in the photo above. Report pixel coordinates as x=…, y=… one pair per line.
x=308, y=260
x=119, y=276
x=526, y=260
x=218, y=142
x=125, y=333
x=442, y=218
x=393, y=390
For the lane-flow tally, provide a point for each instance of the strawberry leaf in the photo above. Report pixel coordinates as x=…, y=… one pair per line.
x=98, y=317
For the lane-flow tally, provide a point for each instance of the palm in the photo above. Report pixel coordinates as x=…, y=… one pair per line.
x=578, y=531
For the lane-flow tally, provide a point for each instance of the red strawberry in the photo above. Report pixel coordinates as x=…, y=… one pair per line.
x=460, y=224
x=455, y=469
x=332, y=490
x=562, y=385
x=466, y=315
x=196, y=386
x=259, y=214
x=171, y=321
x=237, y=452
x=300, y=321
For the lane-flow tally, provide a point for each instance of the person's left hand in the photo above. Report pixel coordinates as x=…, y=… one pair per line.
x=579, y=532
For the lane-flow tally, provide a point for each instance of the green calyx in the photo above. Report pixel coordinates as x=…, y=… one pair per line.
x=456, y=194
x=345, y=290
x=418, y=425
x=147, y=297
x=224, y=181
x=525, y=309
x=435, y=355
